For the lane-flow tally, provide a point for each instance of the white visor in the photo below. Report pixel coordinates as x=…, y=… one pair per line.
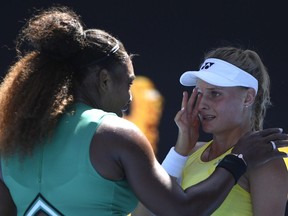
x=219, y=73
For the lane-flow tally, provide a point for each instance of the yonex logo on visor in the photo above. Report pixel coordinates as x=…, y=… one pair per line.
x=220, y=73
x=206, y=65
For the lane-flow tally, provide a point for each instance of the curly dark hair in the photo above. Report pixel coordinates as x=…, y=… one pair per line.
x=54, y=50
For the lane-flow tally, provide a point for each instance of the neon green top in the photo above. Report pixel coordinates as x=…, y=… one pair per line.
x=285, y=149
x=237, y=203
x=59, y=178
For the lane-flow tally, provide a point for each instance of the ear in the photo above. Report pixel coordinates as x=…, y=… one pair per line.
x=250, y=97
x=104, y=79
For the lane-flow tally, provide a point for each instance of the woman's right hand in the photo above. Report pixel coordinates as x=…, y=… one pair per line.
x=188, y=123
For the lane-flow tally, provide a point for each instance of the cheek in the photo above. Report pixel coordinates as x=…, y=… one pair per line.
x=123, y=94
x=232, y=113
x=126, y=92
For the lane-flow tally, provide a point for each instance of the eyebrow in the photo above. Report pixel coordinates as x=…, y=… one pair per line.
x=213, y=88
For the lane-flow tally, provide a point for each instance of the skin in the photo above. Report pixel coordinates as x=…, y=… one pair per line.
x=225, y=113
x=7, y=206
x=121, y=151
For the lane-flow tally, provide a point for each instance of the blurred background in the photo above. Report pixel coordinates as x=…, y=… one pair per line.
x=171, y=37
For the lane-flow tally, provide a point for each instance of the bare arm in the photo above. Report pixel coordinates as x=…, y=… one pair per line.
x=163, y=195
x=7, y=206
x=131, y=155
x=126, y=153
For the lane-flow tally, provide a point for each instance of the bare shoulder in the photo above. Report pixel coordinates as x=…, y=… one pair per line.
x=273, y=170
x=121, y=129
x=272, y=174
x=115, y=144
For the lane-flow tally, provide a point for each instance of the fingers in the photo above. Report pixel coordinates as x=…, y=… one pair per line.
x=192, y=103
x=273, y=135
x=178, y=116
x=192, y=100
x=262, y=146
x=196, y=107
x=281, y=143
x=273, y=145
x=277, y=140
x=184, y=100
x=269, y=131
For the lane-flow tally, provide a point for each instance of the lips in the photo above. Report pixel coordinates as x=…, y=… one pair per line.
x=206, y=117
x=126, y=107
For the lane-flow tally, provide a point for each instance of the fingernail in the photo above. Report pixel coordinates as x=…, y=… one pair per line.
x=281, y=130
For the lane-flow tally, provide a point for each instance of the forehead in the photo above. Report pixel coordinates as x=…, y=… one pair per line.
x=130, y=75
x=130, y=68
x=204, y=85
x=126, y=70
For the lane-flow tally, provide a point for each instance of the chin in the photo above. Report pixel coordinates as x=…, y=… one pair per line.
x=207, y=129
x=120, y=115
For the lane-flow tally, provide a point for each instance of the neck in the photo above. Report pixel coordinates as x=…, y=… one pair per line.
x=223, y=142
x=83, y=98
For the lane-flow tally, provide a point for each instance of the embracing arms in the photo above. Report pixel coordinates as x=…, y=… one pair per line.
x=132, y=157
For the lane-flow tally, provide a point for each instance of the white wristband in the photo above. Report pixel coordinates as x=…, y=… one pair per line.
x=174, y=163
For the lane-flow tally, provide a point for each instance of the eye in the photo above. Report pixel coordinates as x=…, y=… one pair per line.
x=214, y=94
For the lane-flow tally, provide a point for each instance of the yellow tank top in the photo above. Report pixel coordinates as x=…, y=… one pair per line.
x=285, y=149
x=238, y=201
